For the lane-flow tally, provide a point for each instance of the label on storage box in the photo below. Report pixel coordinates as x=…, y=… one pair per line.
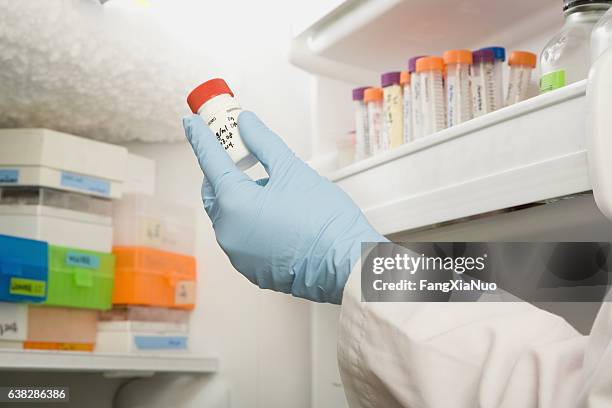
x=151, y=230
x=161, y=342
x=85, y=183
x=185, y=293
x=82, y=260
x=9, y=176
x=28, y=287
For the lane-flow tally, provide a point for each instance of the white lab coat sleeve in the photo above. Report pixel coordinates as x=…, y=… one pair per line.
x=459, y=355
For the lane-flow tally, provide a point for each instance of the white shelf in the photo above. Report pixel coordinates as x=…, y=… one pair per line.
x=531, y=151
x=109, y=364
x=361, y=38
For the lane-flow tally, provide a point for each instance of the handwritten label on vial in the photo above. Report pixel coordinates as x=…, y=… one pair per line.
x=9, y=176
x=185, y=293
x=28, y=287
x=85, y=183
x=82, y=260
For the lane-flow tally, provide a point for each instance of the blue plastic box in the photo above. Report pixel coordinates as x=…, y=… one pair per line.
x=24, y=266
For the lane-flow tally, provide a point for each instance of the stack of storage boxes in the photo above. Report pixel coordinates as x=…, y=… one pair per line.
x=155, y=277
x=55, y=195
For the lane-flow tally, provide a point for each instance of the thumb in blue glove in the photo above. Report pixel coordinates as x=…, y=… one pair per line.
x=293, y=232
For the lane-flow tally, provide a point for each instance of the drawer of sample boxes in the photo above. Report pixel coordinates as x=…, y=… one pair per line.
x=42, y=157
x=13, y=324
x=147, y=276
x=141, y=220
x=80, y=278
x=58, y=217
x=23, y=269
x=58, y=328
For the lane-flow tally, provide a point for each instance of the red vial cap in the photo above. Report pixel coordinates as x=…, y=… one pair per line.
x=205, y=92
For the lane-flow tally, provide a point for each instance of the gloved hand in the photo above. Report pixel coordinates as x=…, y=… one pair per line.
x=294, y=232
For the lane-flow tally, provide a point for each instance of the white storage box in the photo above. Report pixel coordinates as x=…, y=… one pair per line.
x=140, y=220
x=57, y=226
x=13, y=324
x=42, y=157
x=140, y=326
x=140, y=342
x=140, y=175
x=32, y=196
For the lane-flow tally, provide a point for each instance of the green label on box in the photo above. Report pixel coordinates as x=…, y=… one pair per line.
x=552, y=80
x=27, y=287
x=82, y=260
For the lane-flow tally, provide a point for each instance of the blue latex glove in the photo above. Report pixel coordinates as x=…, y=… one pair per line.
x=294, y=232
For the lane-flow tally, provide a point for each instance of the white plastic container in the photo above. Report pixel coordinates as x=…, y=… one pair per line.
x=430, y=71
x=13, y=323
x=497, y=90
x=601, y=37
x=140, y=175
x=362, y=146
x=566, y=58
x=215, y=102
x=417, y=99
x=458, y=86
x=141, y=342
x=143, y=326
x=373, y=98
x=42, y=157
x=483, y=82
x=140, y=220
x=407, y=105
x=521, y=64
x=58, y=217
x=393, y=111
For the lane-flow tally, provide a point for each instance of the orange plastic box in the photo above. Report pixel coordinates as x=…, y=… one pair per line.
x=147, y=276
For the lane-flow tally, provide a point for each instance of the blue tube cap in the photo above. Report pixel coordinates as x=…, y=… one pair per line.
x=499, y=52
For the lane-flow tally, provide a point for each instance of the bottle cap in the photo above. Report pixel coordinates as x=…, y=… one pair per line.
x=373, y=94
x=498, y=52
x=404, y=77
x=483, y=56
x=568, y=4
x=205, y=92
x=457, y=57
x=522, y=58
x=390, y=78
x=412, y=63
x=358, y=93
x=430, y=64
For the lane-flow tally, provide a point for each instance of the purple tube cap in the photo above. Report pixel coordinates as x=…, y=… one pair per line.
x=480, y=56
x=412, y=63
x=358, y=93
x=390, y=78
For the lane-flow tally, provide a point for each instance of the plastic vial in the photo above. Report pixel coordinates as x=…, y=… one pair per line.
x=417, y=100
x=215, y=102
x=430, y=70
x=362, y=145
x=373, y=98
x=393, y=111
x=499, y=53
x=567, y=56
x=407, y=105
x=458, y=86
x=521, y=65
x=483, y=82
x=601, y=37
